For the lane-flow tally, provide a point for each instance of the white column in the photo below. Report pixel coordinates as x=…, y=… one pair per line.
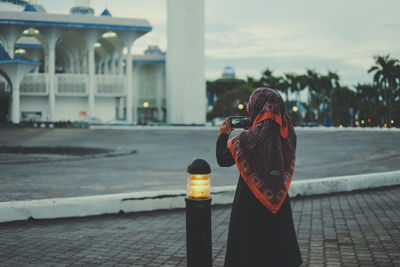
x=114, y=64
x=10, y=33
x=106, y=62
x=92, y=85
x=11, y=50
x=121, y=65
x=99, y=65
x=84, y=63
x=131, y=105
x=159, y=94
x=15, y=103
x=121, y=108
x=77, y=61
x=185, y=62
x=16, y=72
x=71, y=65
x=91, y=36
x=51, y=78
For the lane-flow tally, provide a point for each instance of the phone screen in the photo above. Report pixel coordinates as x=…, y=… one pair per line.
x=238, y=122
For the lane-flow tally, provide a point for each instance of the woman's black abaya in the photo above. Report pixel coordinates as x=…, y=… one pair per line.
x=257, y=237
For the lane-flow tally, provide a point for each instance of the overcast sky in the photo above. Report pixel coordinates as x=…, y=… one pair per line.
x=285, y=35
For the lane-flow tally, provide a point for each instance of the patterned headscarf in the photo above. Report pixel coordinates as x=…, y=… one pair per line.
x=265, y=154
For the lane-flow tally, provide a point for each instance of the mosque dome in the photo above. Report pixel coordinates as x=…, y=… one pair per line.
x=228, y=72
x=20, y=5
x=82, y=7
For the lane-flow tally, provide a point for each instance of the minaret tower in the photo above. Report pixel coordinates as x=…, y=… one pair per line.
x=186, y=87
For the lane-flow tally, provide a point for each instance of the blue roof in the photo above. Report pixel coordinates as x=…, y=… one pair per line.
x=76, y=25
x=30, y=8
x=20, y=61
x=106, y=12
x=3, y=54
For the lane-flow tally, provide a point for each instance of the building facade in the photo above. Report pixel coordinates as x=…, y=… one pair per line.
x=79, y=67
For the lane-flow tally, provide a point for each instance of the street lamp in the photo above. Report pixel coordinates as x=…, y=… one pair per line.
x=295, y=109
x=240, y=106
x=198, y=215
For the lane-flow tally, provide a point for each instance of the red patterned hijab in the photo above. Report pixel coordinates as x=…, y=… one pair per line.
x=265, y=154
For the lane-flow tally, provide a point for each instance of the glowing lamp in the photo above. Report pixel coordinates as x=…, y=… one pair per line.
x=146, y=104
x=392, y=121
x=240, y=106
x=198, y=181
x=198, y=186
x=362, y=121
x=295, y=109
x=198, y=215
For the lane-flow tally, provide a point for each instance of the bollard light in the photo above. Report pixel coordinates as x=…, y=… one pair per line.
x=198, y=215
x=198, y=186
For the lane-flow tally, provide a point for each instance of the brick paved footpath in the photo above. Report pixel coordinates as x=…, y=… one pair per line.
x=351, y=229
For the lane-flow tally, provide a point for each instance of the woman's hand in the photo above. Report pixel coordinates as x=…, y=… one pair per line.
x=248, y=124
x=224, y=129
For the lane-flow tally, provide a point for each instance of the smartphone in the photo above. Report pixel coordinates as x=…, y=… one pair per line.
x=238, y=122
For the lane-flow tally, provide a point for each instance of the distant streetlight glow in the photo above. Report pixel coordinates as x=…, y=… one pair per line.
x=392, y=121
x=369, y=120
x=362, y=121
x=295, y=109
x=385, y=125
x=146, y=104
x=357, y=123
x=97, y=45
x=340, y=126
x=240, y=106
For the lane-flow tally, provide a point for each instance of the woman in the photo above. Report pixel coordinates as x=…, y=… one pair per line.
x=261, y=230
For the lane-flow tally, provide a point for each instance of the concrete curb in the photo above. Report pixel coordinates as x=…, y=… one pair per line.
x=215, y=128
x=172, y=199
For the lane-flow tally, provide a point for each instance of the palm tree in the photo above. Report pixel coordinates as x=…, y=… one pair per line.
x=386, y=71
x=369, y=104
x=269, y=80
x=332, y=85
x=312, y=80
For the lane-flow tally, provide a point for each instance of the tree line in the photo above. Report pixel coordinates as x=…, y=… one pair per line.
x=328, y=102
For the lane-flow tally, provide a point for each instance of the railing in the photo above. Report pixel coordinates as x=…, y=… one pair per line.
x=110, y=85
x=34, y=84
x=70, y=84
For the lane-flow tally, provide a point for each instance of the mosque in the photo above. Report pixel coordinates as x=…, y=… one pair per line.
x=79, y=66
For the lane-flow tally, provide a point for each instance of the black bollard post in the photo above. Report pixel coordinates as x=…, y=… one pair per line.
x=198, y=215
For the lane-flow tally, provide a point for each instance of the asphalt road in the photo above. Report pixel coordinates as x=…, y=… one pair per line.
x=162, y=156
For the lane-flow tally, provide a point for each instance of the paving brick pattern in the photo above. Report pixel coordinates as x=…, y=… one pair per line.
x=351, y=229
